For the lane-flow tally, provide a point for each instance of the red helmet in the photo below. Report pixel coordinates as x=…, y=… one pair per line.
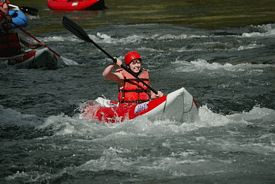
x=131, y=56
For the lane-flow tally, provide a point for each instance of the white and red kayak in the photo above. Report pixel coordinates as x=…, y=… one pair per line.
x=42, y=58
x=176, y=106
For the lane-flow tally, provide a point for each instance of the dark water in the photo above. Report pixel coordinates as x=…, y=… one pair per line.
x=228, y=68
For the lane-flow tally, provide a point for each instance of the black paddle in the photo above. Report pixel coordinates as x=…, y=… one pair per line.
x=29, y=10
x=80, y=33
x=26, y=9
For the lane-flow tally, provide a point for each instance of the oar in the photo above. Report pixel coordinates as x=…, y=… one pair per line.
x=80, y=33
x=29, y=10
x=26, y=9
x=66, y=61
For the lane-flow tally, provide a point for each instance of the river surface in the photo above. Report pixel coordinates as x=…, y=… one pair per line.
x=222, y=53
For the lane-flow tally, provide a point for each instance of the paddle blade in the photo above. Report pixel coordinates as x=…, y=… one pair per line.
x=68, y=61
x=75, y=29
x=29, y=10
x=80, y=33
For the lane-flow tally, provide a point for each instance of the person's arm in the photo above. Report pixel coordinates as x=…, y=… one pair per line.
x=29, y=44
x=107, y=73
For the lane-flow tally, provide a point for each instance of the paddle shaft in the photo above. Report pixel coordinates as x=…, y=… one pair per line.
x=80, y=33
x=114, y=60
x=29, y=34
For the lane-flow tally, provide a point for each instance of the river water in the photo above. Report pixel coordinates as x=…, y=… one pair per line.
x=226, y=64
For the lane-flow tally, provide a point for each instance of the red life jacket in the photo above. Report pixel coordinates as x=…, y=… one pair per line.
x=9, y=44
x=134, y=91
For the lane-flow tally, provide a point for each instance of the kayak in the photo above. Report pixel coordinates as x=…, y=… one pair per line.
x=177, y=106
x=72, y=5
x=42, y=58
x=19, y=18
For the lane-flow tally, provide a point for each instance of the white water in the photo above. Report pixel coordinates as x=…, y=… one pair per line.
x=44, y=141
x=159, y=149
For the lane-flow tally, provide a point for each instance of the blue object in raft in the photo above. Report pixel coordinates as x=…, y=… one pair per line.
x=19, y=18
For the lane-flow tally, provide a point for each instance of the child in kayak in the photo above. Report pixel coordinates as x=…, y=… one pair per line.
x=131, y=91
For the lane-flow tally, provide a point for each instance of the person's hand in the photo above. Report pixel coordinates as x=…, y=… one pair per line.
x=153, y=95
x=118, y=63
x=160, y=94
x=38, y=44
x=42, y=43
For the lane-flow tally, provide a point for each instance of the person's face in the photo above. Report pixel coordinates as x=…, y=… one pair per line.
x=135, y=65
x=4, y=6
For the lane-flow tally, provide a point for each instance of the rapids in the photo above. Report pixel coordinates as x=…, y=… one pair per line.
x=229, y=71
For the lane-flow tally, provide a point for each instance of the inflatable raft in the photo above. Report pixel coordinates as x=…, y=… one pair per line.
x=42, y=58
x=72, y=5
x=176, y=106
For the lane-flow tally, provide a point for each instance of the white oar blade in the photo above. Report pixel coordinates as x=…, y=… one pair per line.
x=68, y=61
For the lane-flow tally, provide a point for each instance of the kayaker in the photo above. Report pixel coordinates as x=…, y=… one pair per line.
x=9, y=39
x=5, y=18
x=130, y=89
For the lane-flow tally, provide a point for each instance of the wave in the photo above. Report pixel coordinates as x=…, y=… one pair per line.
x=65, y=125
x=145, y=148
x=60, y=39
x=202, y=64
x=209, y=41
x=267, y=30
x=10, y=117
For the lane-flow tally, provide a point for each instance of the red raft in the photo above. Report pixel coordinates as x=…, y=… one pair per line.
x=72, y=5
x=176, y=106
